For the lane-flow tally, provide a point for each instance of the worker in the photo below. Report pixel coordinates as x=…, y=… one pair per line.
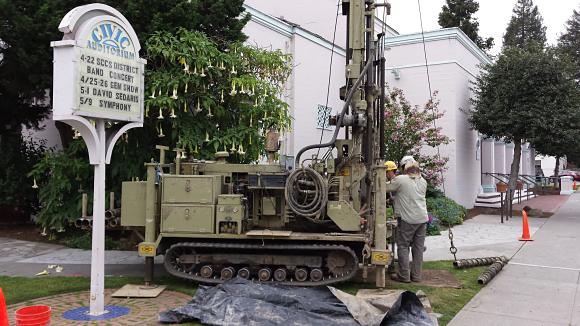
x=406, y=159
x=411, y=206
x=391, y=169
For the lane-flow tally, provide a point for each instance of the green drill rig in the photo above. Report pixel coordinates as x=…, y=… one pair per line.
x=320, y=223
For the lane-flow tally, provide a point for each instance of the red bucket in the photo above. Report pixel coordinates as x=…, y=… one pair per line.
x=33, y=316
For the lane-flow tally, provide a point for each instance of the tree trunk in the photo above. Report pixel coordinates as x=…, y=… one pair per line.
x=557, y=167
x=514, y=171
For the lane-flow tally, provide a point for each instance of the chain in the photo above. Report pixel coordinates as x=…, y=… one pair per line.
x=452, y=247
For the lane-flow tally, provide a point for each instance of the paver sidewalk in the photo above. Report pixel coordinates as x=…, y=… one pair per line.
x=540, y=285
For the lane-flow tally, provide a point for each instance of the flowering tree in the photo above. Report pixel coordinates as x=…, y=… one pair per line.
x=409, y=130
x=204, y=100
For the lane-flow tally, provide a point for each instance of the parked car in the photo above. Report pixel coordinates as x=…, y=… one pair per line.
x=574, y=174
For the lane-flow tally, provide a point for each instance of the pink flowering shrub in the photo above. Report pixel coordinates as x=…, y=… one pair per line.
x=409, y=130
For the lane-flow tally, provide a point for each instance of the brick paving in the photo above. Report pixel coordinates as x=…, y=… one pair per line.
x=547, y=203
x=143, y=311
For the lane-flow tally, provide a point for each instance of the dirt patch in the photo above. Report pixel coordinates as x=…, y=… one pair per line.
x=438, y=278
x=27, y=232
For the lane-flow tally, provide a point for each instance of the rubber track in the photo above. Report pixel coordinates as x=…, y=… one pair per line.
x=225, y=246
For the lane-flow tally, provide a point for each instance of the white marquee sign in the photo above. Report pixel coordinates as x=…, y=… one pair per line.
x=98, y=78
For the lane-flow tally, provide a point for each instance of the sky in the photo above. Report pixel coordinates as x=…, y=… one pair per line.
x=493, y=17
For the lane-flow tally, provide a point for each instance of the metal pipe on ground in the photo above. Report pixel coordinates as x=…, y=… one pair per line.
x=114, y=222
x=79, y=222
x=112, y=213
x=491, y=272
x=87, y=222
x=474, y=262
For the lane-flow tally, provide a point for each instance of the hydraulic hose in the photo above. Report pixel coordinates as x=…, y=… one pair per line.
x=306, y=203
x=347, y=101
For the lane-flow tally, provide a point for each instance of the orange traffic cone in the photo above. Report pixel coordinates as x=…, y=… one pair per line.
x=526, y=228
x=3, y=311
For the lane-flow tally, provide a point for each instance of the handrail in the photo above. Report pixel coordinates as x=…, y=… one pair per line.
x=529, y=180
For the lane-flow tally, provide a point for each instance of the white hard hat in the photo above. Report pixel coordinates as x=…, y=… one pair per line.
x=407, y=159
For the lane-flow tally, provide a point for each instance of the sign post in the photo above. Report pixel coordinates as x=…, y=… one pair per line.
x=98, y=90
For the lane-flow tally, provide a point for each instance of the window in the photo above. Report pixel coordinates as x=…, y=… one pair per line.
x=322, y=115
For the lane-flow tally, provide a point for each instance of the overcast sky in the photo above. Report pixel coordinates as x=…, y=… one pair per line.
x=493, y=16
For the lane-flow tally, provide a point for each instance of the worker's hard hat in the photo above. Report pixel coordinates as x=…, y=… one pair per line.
x=391, y=165
x=407, y=159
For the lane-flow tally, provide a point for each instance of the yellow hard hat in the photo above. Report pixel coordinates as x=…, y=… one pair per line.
x=391, y=165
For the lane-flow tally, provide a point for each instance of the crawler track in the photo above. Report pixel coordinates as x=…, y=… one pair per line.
x=287, y=264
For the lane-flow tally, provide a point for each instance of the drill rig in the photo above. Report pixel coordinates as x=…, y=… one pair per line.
x=320, y=223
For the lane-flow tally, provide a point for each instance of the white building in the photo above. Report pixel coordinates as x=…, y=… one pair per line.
x=308, y=38
x=306, y=31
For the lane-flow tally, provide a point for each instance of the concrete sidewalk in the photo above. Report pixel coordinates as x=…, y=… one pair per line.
x=540, y=285
x=481, y=236
x=26, y=258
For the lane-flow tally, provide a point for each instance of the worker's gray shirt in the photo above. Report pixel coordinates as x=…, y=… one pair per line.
x=409, y=201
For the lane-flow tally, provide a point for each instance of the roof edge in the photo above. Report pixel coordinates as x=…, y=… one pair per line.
x=444, y=33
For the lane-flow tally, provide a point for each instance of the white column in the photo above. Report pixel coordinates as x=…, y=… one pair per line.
x=487, y=160
x=97, y=299
x=499, y=157
x=525, y=163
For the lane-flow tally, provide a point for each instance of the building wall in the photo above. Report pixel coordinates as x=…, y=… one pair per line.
x=47, y=134
x=452, y=64
x=307, y=86
x=317, y=16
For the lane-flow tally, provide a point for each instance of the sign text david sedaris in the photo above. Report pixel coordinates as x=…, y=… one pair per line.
x=108, y=75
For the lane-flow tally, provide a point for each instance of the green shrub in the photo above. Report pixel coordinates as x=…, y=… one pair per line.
x=434, y=192
x=62, y=177
x=446, y=210
x=433, y=226
x=84, y=241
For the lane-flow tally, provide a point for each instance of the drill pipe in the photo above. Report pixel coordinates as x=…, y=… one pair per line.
x=491, y=272
x=473, y=262
x=79, y=222
x=114, y=222
x=112, y=213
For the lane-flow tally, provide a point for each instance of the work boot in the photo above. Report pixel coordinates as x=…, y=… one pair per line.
x=399, y=278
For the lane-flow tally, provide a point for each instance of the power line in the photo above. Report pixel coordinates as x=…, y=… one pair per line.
x=430, y=91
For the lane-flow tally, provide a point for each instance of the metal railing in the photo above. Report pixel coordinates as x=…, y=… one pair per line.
x=537, y=184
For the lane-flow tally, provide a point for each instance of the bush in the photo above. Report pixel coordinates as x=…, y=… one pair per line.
x=18, y=200
x=434, y=192
x=433, y=225
x=84, y=241
x=446, y=210
x=62, y=177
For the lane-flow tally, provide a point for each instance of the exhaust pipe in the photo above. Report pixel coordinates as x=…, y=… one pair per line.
x=112, y=213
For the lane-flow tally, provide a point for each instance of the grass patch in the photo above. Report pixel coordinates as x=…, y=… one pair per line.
x=19, y=289
x=445, y=301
